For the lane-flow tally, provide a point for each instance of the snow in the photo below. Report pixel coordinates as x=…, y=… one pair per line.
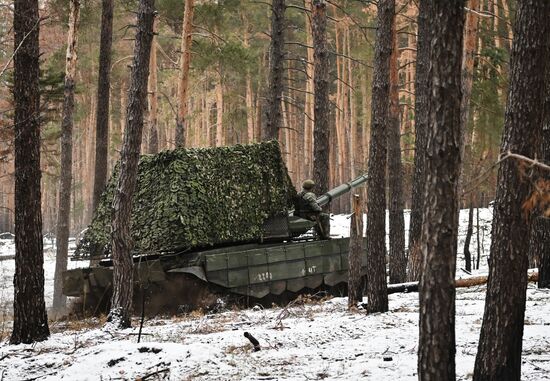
x=312, y=338
x=7, y=269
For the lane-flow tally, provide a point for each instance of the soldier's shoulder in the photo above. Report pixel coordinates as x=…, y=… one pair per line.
x=310, y=196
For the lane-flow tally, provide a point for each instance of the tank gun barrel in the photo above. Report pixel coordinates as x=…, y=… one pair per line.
x=341, y=189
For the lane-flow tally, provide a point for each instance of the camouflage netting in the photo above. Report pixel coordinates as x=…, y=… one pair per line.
x=197, y=197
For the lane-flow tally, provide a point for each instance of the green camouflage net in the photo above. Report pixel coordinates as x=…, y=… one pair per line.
x=189, y=198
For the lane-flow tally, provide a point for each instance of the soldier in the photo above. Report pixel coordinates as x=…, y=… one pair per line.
x=307, y=207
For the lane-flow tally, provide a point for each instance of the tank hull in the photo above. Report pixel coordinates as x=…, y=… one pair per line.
x=252, y=270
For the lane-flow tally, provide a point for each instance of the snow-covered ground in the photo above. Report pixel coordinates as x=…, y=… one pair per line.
x=306, y=341
x=311, y=339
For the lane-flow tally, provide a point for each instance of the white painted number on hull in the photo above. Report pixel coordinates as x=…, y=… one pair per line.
x=309, y=270
x=264, y=277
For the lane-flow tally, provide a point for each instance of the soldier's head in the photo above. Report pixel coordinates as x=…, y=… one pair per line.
x=308, y=185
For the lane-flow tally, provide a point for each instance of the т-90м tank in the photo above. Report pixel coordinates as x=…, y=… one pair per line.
x=210, y=222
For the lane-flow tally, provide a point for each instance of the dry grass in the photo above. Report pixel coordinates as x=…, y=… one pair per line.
x=238, y=349
x=73, y=323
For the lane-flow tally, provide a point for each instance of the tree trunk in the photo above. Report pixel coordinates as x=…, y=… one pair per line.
x=153, y=143
x=63, y=216
x=102, y=110
x=540, y=231
x=273, y=115
x=121, y=302
x=470, y=38
x=365, y=107
x=436, y=351
x=398, y=261
x=376, y=198
x=356, y=250
x=309, y=97
x=422, y=92
x=220, y=135
x=500, y=343
x=469, y=232
x=249, y=93
x=540, y=242
x=340, y=122
x=478, y=238
x=30, y=322
x=321, y=128
x=186, y=40
x=355, y=147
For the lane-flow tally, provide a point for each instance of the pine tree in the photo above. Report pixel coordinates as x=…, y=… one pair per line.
x=356, y=250
x=30, y=322
x=103, y=93
x=321, y=128
x=420, y=127
x=152, y=89
x=500, y=342
x=186, y=40
x=437, y=347
x=63, y=217
x=121, y=242
x=273, y=114
x=540, y=231
x=376, y=198
x=397, y=259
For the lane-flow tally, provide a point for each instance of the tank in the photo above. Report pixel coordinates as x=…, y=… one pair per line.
x=286, y=259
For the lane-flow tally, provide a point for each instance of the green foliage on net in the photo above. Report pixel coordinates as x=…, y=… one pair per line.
x=197, y=197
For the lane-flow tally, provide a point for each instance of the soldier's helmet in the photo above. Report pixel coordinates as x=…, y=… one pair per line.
x=308, y=184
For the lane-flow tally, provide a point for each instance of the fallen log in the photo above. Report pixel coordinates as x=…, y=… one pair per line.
x=532, y=276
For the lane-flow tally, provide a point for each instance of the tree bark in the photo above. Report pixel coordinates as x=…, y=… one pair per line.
x=398, y=261
x=220, y=135
x=422, y=91
x=30, y=322
x=436, y=351
x=540, y=231
x=321, y=128
x=355, y=146
x=250, y=136
x=273, y=113
x=102, y=110
x=500, y=343
x=470, y=49
x=356, y=250
x=470, y=38
x=66, y=178
x=478, y=238
x=468, y=239
x=376, y=198
x=309, y=111
x=153, y=143
x=121, y=241
x=541, y=247
x=186, y=41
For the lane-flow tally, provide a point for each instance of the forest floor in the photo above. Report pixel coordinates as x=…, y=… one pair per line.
x=312, y=338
